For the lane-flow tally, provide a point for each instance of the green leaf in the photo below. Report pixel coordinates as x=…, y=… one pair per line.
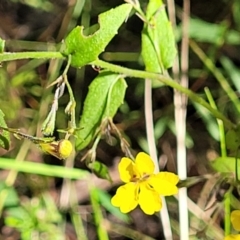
x=100, y=170
x=225, y=164
x=210, y=122
x=2, y=45
x=4, y=135
x=11, y=195
x=232, y=70
x=203, y=31
x=24, y=77
x=85, y=49
x=158, y=43
x=115, y=96
x=106, y=93
x=98, y=216
x=232, y=140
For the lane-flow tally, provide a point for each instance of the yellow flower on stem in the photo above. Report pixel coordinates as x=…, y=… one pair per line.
x=235, y=220
x=142, y=186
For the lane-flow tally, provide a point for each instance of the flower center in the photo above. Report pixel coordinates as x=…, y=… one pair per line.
x=144, y=176
x=141, y=178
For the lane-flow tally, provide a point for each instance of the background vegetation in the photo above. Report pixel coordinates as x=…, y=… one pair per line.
x=65, y=200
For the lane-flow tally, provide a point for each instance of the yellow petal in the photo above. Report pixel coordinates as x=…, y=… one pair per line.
x=232, y=237
x=164, y=183
x=149, y=200
x=127, y=170
x=144, y=164
x=235, y=219
x=126, y=197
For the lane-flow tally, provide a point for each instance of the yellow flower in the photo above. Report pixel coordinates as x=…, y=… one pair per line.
x=232, y=237
x=235, y=219
x=142, y=186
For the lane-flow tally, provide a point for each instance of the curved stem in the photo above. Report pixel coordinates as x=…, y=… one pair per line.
x=126, y=71
x=71, y=96
x=167, y=81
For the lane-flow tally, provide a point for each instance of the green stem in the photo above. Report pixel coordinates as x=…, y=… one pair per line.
x=42, y=169
x=167, y=81
x=217, y=74
x=98, y=216
x=227, y=210
x=71, y=95
x=220, y=124
x=236, y=166
x=10, y=56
